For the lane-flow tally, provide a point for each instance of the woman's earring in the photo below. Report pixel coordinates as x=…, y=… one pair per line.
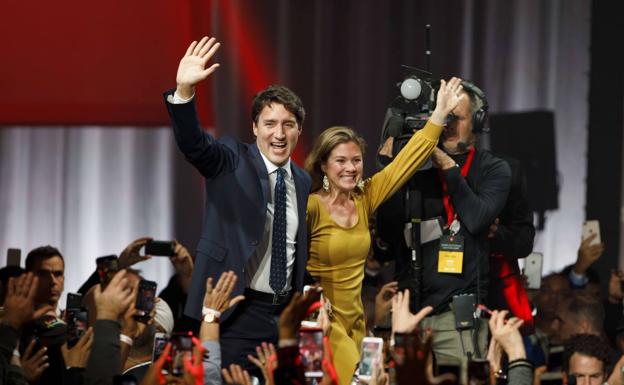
x=325, y=183
x=360, y=184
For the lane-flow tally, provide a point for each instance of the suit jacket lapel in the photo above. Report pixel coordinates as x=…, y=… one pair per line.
x=263, y=173
x=302, y=201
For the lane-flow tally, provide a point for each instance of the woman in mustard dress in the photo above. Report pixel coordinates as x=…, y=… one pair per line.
x=337, y=218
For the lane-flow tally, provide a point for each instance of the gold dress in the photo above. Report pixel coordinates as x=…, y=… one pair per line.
x=337, y=254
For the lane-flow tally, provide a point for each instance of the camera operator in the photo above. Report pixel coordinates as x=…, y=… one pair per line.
x=466, y=189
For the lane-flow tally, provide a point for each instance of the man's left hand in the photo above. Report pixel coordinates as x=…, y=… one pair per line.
x=441, y=160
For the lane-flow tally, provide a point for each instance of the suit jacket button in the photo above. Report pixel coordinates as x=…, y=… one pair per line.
x=254, y=242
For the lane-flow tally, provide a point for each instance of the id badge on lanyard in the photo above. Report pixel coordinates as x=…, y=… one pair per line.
x=451, y=251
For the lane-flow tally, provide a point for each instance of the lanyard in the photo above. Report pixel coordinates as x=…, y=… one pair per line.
x=448, y=205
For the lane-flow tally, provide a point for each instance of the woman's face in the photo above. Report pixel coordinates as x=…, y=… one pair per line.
x=344, y=167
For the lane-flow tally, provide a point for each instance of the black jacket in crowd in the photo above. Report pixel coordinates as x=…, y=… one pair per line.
x=477, y=199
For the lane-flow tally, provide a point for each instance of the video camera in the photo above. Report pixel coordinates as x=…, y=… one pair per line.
x=408, y=113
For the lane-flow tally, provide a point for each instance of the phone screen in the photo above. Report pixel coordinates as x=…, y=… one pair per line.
x=311, y=351
x=371, y=354
x=77, y=321
x=107, y=267
x=181, y=346
x=145, y=299
x=160, y=341
x=74, y=301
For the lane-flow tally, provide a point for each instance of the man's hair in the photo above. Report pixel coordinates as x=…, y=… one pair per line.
x=281, y=95
x=589, y=345
x=582, y=306
x=40, y=254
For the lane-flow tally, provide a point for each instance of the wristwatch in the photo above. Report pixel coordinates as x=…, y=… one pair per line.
x=210, y=318
x=211, y=315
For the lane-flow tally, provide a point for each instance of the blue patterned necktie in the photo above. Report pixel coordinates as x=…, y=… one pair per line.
x=277, y=280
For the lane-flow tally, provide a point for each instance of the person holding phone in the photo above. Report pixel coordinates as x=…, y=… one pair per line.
x=256, y=195
x=338, y=210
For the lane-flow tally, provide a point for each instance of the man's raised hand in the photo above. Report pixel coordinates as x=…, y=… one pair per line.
x=192, y=68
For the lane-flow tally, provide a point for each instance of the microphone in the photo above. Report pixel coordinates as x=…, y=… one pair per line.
x=461, y=146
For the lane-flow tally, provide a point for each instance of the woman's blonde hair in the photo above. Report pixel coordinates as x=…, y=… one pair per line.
x=324, y=145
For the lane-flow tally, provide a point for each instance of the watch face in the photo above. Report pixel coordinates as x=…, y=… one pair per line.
x=210, y=318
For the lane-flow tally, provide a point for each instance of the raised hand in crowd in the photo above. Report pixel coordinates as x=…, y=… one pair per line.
x=507, y=334
x=192, y=68
x=413, y=359
x=587, y=254
x=296, y=311
x=78, y=355
x=383, y=301
x=403, y=321
x=218, y=297
x=236, y=375
x=182, y=260
x=33, y=363
x=194, y=367
x=115, y=300
x=266, y=361
x=131, y=254
x=615, y=286
x=154, y=375
x=19, y=303
x=379, y=376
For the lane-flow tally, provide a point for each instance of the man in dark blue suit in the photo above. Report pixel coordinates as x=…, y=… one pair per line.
x=255, y=207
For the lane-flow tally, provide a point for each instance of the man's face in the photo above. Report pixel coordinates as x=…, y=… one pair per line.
x=459, y=130
x=587, y=370
x=276, y=133
x=553, y=290
x=51, y=273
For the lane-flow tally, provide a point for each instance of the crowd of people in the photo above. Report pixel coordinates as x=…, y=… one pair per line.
x=235, y=310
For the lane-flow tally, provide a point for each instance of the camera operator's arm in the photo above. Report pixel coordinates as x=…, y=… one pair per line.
x=475, y=211
x=387, y=181
x=513, y=232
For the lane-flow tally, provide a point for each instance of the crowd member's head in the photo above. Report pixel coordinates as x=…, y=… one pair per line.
x=47, y=263
x=277, y=115
x=553, y=289
x=465, y=121
x=336, y=161
x=579, y=313
x=586, y=357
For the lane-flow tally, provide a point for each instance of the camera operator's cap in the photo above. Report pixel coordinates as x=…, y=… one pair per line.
x=164, y=316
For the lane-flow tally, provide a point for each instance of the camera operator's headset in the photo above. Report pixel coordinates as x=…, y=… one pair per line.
x=479, y=117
